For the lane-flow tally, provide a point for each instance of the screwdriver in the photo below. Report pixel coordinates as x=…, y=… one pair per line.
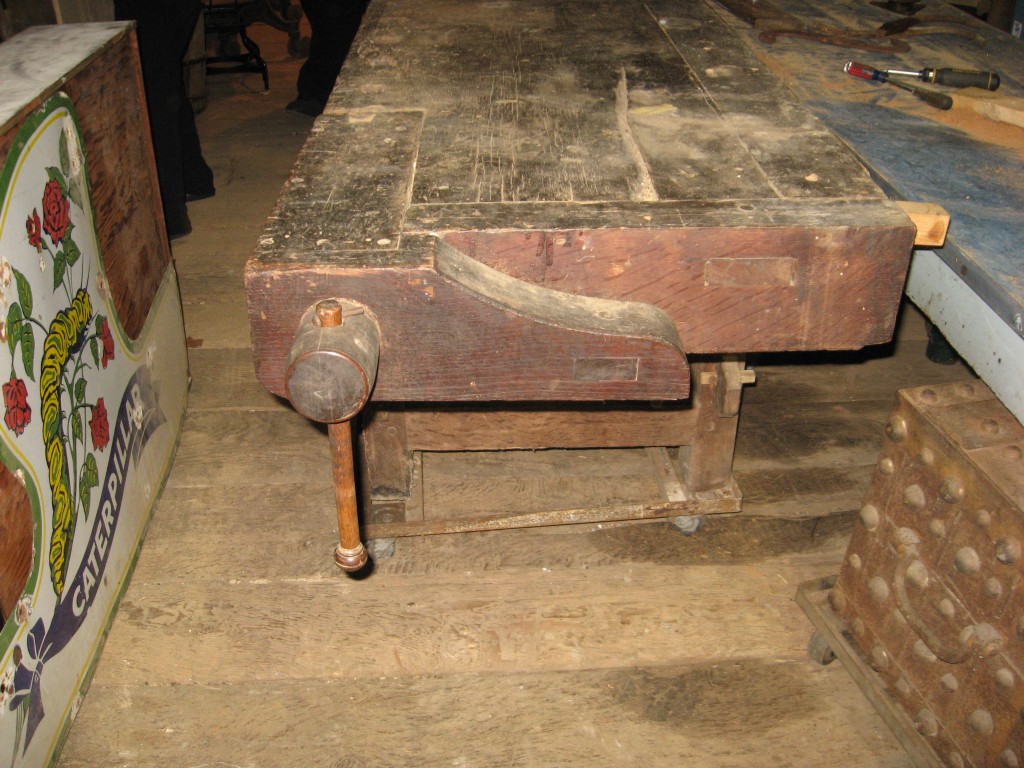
x=955, y=78
x=864, y=72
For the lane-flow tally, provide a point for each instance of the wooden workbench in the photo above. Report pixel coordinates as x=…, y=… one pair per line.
x=562, y=202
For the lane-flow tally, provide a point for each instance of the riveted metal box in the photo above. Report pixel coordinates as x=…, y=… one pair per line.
x=931, y=589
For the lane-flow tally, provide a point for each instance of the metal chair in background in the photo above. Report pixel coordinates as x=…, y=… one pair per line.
x=229, y=47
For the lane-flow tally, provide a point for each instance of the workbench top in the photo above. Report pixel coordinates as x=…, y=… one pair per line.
x=531, y=113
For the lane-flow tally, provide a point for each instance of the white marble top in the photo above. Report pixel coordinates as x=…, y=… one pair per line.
x=38, y=60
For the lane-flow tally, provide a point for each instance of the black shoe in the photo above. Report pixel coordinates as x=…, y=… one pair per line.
x=307, y=106
x=201, y=194
x=179, y=228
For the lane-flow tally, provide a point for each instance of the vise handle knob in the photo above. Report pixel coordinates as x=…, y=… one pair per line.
x=332, y=365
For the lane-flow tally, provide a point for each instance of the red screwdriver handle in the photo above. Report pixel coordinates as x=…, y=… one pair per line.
x=864, y=72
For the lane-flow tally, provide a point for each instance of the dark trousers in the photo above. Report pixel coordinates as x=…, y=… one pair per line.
x=334, y=24
x=164, y=30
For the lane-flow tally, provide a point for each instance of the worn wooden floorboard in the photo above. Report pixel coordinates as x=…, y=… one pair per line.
x=223, y=379
x=510, y=620
x=812, y=492
x=865, y=375
x=217, y=322
x=225, y=449
x=811, y=434
x=288, y=532
x=728, y=713
x=240, y=643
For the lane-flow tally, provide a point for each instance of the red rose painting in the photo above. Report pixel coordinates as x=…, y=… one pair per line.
x=99, y=426
x=18, y=413
x=56, y=212
x=35, y=230
x=108, y=343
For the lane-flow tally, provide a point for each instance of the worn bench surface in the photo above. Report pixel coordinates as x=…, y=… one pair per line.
x=488, y=173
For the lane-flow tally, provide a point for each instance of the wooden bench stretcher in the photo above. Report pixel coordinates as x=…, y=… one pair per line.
x=538, y=207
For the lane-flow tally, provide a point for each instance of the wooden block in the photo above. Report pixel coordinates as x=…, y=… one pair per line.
x=931, y=220
x=15, y=541
x=998, y=107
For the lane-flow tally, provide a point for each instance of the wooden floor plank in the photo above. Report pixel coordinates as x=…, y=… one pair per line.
x=802, y=434
x=838, y=377
x=239, y=448
x=804, y=491
x=288, y=531
x=730, y=713
x=224, y=379
x=508, y=621
x=214, y=323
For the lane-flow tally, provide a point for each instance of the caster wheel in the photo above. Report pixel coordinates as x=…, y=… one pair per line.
x=380, y=549
x=688, y=524
x=819, y=651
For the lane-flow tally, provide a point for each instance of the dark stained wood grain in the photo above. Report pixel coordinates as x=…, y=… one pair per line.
x=122, y=175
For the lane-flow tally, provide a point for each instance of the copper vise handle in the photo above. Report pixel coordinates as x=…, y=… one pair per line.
x=332, y=367
x=981, y=639
x=350, y=554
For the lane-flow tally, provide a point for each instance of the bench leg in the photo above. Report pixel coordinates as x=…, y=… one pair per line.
x=717, y=386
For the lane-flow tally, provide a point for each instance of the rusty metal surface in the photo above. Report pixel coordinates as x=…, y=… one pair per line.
x=931, y=589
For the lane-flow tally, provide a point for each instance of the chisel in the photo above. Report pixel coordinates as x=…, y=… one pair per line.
x=955, y=78
x=864, y=72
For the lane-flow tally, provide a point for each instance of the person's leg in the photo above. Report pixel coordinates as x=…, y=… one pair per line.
x=197, y=175
x=164, y=30
x=334, y=24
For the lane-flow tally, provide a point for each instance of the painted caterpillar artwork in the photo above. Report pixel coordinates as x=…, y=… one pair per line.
x=72, y=469
x=66, y=332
